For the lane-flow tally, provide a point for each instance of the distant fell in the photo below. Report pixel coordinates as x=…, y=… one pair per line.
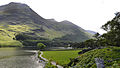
x=18, y=18
x=91, y=32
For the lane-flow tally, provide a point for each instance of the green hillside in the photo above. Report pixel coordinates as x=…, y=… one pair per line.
x=110, y=55
x=7, y=34
x=18, y=18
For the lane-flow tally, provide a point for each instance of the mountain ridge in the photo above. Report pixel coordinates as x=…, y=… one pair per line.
x=18, y=18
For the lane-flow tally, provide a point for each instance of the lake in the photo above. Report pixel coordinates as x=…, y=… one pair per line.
x=18, y=58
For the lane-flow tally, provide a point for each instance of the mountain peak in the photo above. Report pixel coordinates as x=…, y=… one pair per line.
x=17, y=4
x=14, y=6
x=14, y=3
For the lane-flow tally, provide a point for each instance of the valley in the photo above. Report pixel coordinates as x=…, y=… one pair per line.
x=24, y=35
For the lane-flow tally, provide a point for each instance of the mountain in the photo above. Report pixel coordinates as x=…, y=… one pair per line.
x=91, y=32
x=18, y=18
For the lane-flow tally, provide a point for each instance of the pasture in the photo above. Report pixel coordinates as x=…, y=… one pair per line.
x=61, y=57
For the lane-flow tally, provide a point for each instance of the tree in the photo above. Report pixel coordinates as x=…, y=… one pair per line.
x=41, y=46
x=20, y=37
x=97, y=35
x=90, y=43
x=113, y=31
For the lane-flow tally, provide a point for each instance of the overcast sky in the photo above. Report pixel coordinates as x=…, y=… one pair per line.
x=88, y=14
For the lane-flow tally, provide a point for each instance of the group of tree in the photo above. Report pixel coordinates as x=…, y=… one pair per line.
x=112, y=37
x=22, y=37
x=28, y=40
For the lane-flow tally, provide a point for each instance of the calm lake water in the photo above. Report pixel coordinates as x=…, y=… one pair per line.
x=18, y=58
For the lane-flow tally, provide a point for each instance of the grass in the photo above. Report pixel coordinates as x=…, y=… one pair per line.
x=110, y=55
x=61, y=57
x=51, y=33
x=7, y=33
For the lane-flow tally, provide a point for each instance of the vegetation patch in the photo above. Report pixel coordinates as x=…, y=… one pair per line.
x=61, y=57
x=49, y=65
x=8, y=32
x=110, y=55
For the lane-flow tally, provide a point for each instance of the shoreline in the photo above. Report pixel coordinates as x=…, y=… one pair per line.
x=37, y=59
x=52, y=62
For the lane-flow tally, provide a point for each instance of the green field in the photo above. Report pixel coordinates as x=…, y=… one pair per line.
x=61, y=57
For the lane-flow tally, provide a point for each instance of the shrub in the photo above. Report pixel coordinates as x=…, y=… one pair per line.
x=41, y=46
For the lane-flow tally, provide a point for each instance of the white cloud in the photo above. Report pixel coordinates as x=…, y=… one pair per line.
x=88, y=14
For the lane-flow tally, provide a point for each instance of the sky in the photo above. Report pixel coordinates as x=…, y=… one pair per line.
x=88, y=14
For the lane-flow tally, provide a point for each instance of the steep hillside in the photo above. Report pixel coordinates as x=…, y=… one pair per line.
x=20, y=18
x=110, y=55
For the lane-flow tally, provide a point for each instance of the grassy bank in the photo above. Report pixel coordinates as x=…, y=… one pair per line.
x=110, y=55
x=61, y=57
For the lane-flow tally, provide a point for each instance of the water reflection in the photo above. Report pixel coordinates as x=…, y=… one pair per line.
x=18, y=58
